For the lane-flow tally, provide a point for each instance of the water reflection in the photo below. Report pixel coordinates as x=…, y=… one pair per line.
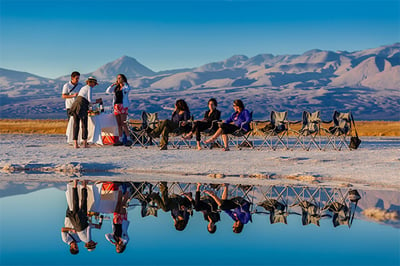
x=152, y=219
x=88, y=204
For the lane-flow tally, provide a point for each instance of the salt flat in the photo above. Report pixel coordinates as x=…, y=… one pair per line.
x=375, y=164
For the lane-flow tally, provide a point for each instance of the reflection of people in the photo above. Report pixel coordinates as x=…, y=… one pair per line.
x=79, y=111
x=208, y=207
x=77, y=226
x=179, y=206
x=70, y=91
x=237, y=208
x=200, y=125
x=121, y=105
x=179, y=119
x=119, y=237
x=240, y=119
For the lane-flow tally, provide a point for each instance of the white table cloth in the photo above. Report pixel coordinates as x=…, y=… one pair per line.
x=96, y=124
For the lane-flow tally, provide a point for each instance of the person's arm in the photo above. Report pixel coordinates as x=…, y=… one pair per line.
x=90, y=97
x=246, y=119
x=212, y=195
x=67, y=229
x=217, y=115
x=109, y=89
x=65, y=93
x=230, y=119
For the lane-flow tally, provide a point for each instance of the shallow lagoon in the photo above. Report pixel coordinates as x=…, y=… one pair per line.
x=33, y=213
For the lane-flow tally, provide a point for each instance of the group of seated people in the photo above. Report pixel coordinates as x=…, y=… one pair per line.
x=239, y=120
x=181, y=207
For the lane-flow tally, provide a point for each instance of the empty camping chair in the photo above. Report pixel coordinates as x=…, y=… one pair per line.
x=309, y=133
x=277, y=211
x=275, y=131
x=139, y=134
x=338, y=134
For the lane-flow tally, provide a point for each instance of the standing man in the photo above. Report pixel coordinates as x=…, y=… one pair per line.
x=70, y=91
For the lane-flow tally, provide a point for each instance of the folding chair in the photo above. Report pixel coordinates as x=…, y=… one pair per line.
x=176, y=139
x=310, y=130
x=243, y=136
x=338, y=133
x=278, y=127
x=208, y=133
x=276, y=203
x=139, y=135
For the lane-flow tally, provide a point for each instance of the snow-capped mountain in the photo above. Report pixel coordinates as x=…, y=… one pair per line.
x=366, y=82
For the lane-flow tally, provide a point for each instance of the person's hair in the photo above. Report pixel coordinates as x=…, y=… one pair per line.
x=213, y=229
x=180, y=225
x=181, y=105
x=73, y=251
x=120, y=248
x=213, y=100
x=75, y=73
x=238, y=229
x=239, y=103
x=123, y=77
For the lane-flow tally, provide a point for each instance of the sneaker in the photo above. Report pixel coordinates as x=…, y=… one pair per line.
x=163, y=148
x=118, y=143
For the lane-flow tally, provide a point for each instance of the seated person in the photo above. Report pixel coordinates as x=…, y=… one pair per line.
x=200, y=125
x=179, y=119
x=180, y=207
x=240, y=119
x=208, y=207
x=237, y=208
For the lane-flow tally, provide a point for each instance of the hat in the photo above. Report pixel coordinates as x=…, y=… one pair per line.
x=91, y=78
x=91, y=245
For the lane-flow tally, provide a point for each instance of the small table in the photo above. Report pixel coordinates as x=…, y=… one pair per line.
x=96, y=124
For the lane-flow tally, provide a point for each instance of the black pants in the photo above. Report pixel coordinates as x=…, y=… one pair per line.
x=228, y=128
x=68, y=113
x=77, y=120
x=78, y=216
x=200, y=126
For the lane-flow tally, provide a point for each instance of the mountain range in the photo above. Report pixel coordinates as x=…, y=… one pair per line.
x=366, y=82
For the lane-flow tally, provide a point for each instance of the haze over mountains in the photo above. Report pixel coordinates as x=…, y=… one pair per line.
x=366, y=82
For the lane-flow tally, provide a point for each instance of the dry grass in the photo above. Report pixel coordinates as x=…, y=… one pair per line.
x=26, y=126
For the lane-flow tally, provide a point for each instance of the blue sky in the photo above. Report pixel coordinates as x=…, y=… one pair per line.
x=53, y=38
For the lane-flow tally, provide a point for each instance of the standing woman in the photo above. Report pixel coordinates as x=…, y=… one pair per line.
x=79, y=111
x=121, y=105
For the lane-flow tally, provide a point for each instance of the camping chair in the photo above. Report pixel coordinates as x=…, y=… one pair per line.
x=310, y=129
x=277, y=128
x=276, y=203
x=139, y=135
x=243, y=136
x=176, y=139
x=208, y=133
x=338, y=133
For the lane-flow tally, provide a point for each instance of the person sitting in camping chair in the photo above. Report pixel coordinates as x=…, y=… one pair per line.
x=237, y=208
x=238, y=121
x=178, y=121
x=180, y=207
x=207, y=206
x=209, y=122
